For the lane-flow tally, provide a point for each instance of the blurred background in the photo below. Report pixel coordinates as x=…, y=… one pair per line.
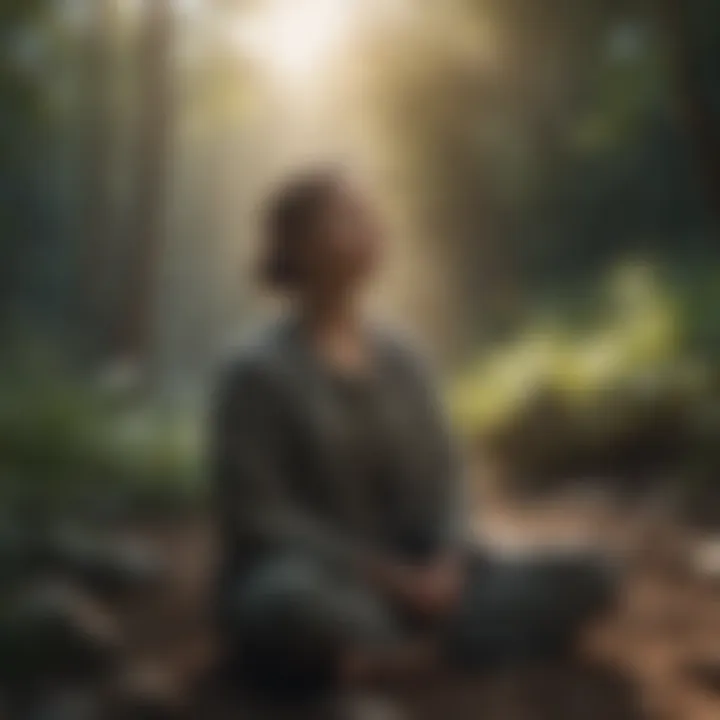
x=549, y=172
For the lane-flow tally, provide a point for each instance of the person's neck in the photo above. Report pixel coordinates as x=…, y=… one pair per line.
x=336, y=329
x=330, y=311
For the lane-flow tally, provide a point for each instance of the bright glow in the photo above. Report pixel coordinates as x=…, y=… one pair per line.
x=295, y=38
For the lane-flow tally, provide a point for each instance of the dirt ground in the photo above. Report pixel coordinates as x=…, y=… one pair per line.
x=656, y=658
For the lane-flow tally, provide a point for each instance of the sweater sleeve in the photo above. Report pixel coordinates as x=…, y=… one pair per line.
x=444, y=472
x=250, y=480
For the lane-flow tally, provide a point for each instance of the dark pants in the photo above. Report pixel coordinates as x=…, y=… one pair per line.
x=291, y=618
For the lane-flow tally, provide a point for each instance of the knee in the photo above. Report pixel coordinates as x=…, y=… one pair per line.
x=285, y=645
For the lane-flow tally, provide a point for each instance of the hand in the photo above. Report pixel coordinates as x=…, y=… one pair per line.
x=437, y=587
x=431, y=590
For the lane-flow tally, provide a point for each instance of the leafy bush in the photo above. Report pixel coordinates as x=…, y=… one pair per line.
x=68, y=446
x=624, y=397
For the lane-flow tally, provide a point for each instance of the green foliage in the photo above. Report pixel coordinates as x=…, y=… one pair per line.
x=68, y=446
x=628, y=86
x=636, y=335
x=625, y=396
x=527, y=146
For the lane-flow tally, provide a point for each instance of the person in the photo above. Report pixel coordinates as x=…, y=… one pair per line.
x=345, y=556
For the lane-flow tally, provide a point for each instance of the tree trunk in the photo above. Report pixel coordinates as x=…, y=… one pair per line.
x=695, y=110
x=147, y=220
x=97, y=154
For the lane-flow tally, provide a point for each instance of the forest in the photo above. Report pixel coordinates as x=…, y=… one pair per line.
x=548, y=171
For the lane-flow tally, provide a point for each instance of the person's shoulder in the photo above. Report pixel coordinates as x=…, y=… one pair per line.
x=404, y=348
x=254, y=355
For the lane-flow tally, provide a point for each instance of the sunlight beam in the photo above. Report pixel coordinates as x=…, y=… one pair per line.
x=295, y=40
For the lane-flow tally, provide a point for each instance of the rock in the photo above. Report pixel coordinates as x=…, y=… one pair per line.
x=109, y=569
x=53, y=631
x=23, y=554
x=531, y=608
x=65, y=705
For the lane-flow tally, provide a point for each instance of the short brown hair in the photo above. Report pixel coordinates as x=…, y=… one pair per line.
x=289, y=216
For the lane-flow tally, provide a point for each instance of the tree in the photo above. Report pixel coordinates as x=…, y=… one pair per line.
x=22, y=126
x=98, y=203
x=694, y=106
x=146, y=225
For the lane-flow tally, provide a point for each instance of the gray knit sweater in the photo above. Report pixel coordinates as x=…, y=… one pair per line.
x=287, y=472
